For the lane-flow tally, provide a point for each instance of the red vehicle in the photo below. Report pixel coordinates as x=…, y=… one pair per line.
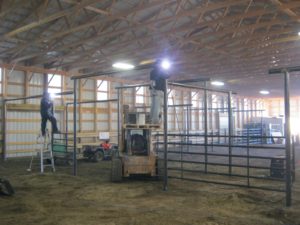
x=99, y=153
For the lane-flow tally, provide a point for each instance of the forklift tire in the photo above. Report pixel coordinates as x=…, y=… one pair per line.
x=6, y=188
x=116, y=170
x=160, y=169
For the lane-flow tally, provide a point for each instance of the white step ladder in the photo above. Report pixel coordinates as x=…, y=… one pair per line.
x=45, y=153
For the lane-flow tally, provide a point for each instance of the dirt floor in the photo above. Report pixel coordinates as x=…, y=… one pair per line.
x=91, y=199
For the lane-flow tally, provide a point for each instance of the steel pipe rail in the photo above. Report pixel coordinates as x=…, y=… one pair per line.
x=93, y=101
x=222, y=155
x=111, y=72
x=284, y=69
x=226, y=174
x=37, y=96
x=216, y=136
x=229, y=184
x=196, y=87
x=288, y=145
x=133, y=86
x=223, y=145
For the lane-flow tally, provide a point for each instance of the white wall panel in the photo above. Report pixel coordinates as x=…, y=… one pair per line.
x=15, y=90
x=87, y=116
x=16, y=76
x=102, y=126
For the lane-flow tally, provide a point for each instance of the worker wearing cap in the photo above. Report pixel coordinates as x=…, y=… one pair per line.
x=106, y=145
x=47, y=113
x=158, y=79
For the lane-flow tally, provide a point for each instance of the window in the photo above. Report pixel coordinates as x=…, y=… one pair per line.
x=139, y=95
x=195, y=99
x=214, y=103
x=171, y=97
x=54, y=84
x=102, y=89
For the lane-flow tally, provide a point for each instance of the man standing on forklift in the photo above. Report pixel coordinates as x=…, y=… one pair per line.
x=158, y=77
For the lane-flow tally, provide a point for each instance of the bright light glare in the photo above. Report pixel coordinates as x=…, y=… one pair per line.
x=165, y=64
x=299, y=33
x=295, y=128
x=217, y=83
x=52, y=95
x=264, y=92
x=123, y=66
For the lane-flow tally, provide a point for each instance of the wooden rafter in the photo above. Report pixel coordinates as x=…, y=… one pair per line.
x=224, y=38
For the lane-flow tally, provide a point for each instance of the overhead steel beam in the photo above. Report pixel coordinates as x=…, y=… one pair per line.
x=193, y=80
x=37, y=96
x=90, y=75
x=284, y=69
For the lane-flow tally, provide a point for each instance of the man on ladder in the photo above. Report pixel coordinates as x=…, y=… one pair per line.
x=47, y=113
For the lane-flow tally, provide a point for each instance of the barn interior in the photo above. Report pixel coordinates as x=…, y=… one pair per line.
x=224, y=148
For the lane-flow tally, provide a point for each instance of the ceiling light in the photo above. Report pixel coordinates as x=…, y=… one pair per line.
x=299, y=33
x=165, y=64
x=264, y=92
x=217, y=83
x=123, y=66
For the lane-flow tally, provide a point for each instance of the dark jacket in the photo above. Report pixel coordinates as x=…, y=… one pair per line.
x=46, y=107
x=159, y=77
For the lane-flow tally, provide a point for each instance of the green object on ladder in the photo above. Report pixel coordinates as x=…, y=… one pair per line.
x=59, y=147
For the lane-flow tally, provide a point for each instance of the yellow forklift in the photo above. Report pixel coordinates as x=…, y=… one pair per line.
x=136, y=154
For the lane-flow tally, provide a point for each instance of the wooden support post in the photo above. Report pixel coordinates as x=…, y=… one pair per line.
x=4, y=83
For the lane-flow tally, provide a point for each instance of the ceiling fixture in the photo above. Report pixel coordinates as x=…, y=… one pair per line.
x=123, y=66
x=147, y=61
x=264, y=92
x=217, y=83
